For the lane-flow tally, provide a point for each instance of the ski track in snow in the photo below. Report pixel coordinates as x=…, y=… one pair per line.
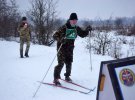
x=18, y=77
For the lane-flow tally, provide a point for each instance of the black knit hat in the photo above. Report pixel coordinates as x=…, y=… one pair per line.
x=73, y=16
x=24, y=18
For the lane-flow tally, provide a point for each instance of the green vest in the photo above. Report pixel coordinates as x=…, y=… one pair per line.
x=71, y=33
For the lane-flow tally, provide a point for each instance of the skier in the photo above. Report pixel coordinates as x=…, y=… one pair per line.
x=66, y=36
x=25, y=34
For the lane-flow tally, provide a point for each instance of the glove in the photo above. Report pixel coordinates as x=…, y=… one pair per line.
x=89, y=28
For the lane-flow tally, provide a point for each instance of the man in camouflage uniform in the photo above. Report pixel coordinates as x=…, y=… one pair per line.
x=65, y=37
x=24, y=31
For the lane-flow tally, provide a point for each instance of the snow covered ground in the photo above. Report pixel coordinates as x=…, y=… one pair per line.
x=18, y=77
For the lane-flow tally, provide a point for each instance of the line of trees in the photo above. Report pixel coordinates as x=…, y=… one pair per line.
x=123, y=25
x=43, y=19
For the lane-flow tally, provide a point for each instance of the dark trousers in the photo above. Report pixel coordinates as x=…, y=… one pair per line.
x=64, y=57
x=58, y=68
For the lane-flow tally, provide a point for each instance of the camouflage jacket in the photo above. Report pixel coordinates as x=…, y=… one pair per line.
x=62, y=32
x=24, y=32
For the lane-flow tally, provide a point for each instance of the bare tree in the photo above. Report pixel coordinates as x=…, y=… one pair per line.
x=2, y=14
x=9, y=16
x=101, y=43
x=42, y=15
x=15, y=16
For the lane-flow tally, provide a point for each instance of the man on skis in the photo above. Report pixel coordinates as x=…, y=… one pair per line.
x=25, y=34
x=65, y=37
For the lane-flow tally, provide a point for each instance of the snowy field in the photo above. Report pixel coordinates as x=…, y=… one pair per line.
x=18, y=77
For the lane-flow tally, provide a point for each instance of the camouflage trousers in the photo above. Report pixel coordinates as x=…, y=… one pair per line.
x=65, y=56
x=22, y=41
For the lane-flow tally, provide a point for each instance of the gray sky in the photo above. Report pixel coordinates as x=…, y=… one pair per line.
x=91, y=9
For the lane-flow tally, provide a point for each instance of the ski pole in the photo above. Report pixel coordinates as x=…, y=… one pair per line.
x=47, y=71
x=90, y=50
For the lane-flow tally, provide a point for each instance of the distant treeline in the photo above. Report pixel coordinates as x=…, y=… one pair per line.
x=44, y=20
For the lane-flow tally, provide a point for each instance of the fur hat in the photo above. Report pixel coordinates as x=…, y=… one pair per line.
x=73, y=16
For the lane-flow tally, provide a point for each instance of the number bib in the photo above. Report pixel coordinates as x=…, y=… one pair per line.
x=71, y=33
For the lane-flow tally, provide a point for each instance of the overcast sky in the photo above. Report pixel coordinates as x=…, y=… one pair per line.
x=91, y=9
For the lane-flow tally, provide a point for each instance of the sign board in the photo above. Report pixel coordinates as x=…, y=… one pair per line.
x=117, y=80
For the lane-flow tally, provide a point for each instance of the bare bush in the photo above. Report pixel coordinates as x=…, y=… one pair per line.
x=115, y=48
x=101, y=42
x=131, y=51
x=132, y=30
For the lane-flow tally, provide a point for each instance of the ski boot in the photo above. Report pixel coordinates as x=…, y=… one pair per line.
x=56, y=82
x=21, y=56
x=68, y=79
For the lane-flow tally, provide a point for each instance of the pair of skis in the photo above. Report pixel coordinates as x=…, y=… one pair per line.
x=71, y=89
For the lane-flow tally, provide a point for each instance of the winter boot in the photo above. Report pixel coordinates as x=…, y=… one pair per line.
x=26, y=54
x=68, y=79
x=21, y=53
x=56, y=82
x=21, y=56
